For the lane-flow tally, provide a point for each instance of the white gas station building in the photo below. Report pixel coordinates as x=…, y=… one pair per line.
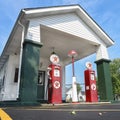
x=37, y=31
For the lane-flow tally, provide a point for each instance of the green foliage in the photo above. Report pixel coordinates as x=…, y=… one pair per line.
x=115, y=75
x=79, y=88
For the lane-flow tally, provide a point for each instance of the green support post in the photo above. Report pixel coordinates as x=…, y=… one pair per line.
x=29, y=72
x=104, y=80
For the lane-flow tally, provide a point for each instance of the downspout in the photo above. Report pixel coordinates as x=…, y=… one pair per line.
x=20, y=62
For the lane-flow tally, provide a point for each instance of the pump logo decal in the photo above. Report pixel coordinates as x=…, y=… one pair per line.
x=88, y=65
x=57, y=84
x=93, y=86
x=54, y=59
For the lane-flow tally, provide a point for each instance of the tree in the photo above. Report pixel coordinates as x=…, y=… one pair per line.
x=115, y=75
x=79, y=88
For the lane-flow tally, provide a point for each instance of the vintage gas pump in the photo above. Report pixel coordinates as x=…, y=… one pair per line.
x=90, y=84
x=54, y=80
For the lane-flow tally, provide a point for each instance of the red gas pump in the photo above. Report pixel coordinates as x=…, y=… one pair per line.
x=54, y=82
x=90, y=84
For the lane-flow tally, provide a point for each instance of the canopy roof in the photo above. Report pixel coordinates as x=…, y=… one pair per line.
x=56, y=37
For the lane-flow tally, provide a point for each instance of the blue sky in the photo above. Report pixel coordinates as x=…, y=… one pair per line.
x=105, y=12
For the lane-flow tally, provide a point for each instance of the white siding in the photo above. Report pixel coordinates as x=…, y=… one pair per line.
x=10, y=91
x=69, y=23
x=33, y=33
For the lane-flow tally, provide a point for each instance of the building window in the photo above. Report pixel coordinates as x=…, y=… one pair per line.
x=41, y=77
x=16, y=75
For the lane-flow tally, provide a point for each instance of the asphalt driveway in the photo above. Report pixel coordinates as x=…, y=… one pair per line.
x=66, y=112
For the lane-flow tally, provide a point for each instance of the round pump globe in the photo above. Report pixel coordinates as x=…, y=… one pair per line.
x=72, y=53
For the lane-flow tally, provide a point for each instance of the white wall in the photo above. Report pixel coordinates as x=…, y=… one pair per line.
x=2, y=80
x=10, y=87
x=46, y=87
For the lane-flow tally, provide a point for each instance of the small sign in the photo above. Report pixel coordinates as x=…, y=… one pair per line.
x=93, y=86
x=56, y=84
x=56, y=73
x=92, y=77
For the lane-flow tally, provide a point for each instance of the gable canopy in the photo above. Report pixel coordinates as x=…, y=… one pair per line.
x=57, y=37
